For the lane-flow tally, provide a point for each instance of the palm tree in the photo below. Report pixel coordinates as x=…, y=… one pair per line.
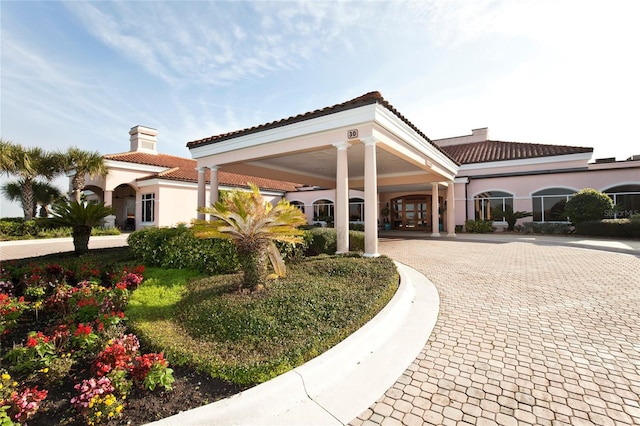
x=509, y=215
x=28, y=164
x=253, y=224
x=83, y=163
x=44, y=194
x=81, y=217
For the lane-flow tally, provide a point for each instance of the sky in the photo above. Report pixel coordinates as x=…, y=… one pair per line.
x=82, y=73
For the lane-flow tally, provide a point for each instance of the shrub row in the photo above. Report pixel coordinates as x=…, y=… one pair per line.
x=20, y=229
x=178, y=248
x=479, y=226
x=627, y=228
x=324, y=241
x=545, y=228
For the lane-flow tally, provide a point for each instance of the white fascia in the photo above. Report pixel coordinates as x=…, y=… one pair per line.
x=536, y=161
x=402, y=130
x=326, y=123
x=111, y=164
x=166, y=182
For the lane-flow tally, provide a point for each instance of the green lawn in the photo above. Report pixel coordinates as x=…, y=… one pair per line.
x=247, y=339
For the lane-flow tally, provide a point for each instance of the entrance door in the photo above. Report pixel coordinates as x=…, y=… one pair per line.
x=411, y=213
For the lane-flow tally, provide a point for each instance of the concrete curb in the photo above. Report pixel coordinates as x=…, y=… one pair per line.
x=337, y=386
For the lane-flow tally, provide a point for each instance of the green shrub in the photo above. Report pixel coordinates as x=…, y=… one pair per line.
x=625, y=228
x=324, y=241
x=588, y=204
x=479, y=226
x=178, y=248
x=546, y=228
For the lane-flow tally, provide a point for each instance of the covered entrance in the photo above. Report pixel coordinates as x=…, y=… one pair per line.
x=364, y=144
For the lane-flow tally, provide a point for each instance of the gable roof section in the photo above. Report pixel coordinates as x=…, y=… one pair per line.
x=366, y=99
x=184, y=169
x=487, y=151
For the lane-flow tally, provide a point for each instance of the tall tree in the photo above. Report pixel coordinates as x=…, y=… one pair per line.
x=83, y=164
x=253, y=224
x=28, y=164
x=44, y=194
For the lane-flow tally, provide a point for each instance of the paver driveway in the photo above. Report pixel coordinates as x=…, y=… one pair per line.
x=527, y=334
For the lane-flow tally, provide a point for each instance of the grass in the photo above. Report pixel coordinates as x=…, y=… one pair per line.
x=248, y=339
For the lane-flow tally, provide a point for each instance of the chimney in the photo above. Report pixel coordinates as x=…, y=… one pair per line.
x=480, y=135
x=143, y=139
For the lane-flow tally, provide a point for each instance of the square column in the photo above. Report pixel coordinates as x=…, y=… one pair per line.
x=342, y=198
x=435, y=206
x=202, y=194
x=370, y=198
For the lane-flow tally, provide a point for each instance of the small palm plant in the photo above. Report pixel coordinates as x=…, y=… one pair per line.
x=253, y=224
x=509, y=215
x=81, y=217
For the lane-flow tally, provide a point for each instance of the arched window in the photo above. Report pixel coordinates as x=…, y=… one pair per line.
x=487, y=205
x=323, y=210
x=548, y=204
x=356, y=210
x=298, y=204
x=626, y=199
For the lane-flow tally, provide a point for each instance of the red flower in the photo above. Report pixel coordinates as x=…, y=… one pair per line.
x=32, y=342
x=83, y=330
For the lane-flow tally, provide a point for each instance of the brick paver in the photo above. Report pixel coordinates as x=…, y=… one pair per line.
x=527, y=334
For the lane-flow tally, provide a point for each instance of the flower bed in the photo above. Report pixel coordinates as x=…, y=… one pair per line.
x=63, y=327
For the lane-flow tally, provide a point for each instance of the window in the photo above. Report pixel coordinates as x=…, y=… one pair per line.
x=487, y=204
x=298, y=204
x=356, y=210
x=626, y=198
x=548, y=204
x=323, y=210
x=148, y=207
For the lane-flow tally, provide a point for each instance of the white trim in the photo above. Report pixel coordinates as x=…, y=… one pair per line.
x=534, y=161
x=619, y=184
x=134, y=166
x=330, y=122
x=492, y=190
x=553, y=187
x=389, y=121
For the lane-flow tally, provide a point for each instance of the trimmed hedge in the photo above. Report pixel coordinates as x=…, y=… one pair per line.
x=324, y=241
x=178, y=248
x=479, y=226
x=16, y=228
x=546, y=228
x=626, y=228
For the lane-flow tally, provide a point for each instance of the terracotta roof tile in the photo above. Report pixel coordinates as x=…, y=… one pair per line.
x=480, y=152
x=184, y=169
x=366, y=99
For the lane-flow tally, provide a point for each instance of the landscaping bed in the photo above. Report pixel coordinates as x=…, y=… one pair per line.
x=66, y=325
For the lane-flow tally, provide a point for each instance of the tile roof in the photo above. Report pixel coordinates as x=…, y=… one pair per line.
x=366, y=99
x=184, y=169
x=480, y=152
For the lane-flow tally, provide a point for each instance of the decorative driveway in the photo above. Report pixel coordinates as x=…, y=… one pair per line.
x=528, y=333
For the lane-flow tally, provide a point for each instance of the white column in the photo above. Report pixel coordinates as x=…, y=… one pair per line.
x=110, y=221
x=451, y=210
x=342, y=198
x=202, y=194
x=370, y=199
x=435, y=223
x=213, y=185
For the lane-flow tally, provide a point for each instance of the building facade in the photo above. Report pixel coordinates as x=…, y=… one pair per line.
x=362, y=162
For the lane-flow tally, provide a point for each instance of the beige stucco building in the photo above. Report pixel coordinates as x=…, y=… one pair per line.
x=361, y=161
